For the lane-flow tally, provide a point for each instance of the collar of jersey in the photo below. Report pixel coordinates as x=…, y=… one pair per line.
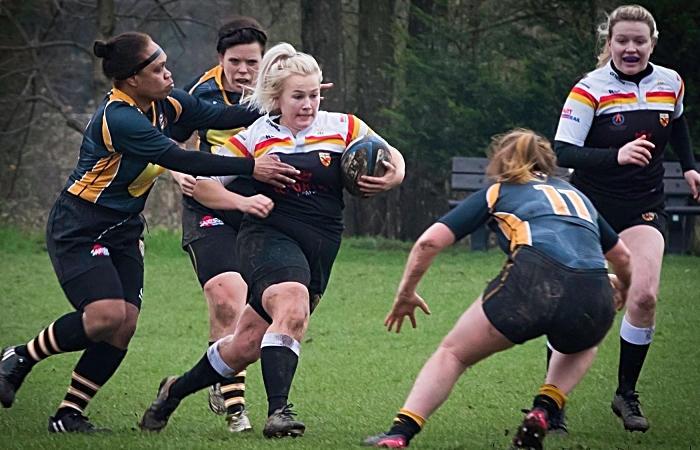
x=218, y=73
x=124, y=97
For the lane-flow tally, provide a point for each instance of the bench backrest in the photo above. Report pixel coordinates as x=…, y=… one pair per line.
x=674, y=182
x=469, y=174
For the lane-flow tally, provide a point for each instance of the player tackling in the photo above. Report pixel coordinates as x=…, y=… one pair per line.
x=554, y=283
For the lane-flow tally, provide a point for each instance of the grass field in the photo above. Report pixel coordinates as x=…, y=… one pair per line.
x=353, y=375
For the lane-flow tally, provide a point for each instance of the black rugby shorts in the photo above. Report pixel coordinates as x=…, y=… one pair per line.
x=268, y=256
x=96, y=252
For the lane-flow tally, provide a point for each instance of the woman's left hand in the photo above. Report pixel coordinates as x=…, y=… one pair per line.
x=376, y=185
x=693, y=179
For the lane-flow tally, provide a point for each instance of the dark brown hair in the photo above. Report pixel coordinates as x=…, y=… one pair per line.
x=240, y=30
x=121, y=54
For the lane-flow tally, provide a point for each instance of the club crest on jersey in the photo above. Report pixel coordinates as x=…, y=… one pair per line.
x=161, y=121
x=664, y=119
x=209, y=221
x=325, y=158
x=649, y=216
x=99, y=250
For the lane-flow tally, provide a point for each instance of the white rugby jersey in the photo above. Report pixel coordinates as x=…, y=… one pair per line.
x=602, y=92
x=317, y=196
x=605, y=111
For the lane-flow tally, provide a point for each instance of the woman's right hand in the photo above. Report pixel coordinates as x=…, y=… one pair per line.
x=185, y=181
x=637, y=152
x=257, y=205
x=405, y=304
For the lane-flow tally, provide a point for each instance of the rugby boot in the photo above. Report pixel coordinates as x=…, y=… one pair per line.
x=13, y=369
x=627, y=407
x=531, y=433
x=385, y=440
x=74, y=422
x=557, y=423
x=157, y=415
x=217, y=404
x=282, y=423
x=238, y=422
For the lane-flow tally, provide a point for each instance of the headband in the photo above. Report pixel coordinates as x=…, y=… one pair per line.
x=239, y=30
x=142, y=65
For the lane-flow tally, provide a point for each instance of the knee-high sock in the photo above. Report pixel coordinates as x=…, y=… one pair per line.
x=97, y=365
x=634, y=345
x=279, y=356
x=211, y=369
x=67, y=334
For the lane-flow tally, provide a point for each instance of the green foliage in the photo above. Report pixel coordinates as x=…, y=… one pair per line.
x=476, y=73
x=353, y=375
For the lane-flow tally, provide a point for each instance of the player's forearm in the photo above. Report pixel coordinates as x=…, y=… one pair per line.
x=426, y=248
x=619, y=259
x=213, y=194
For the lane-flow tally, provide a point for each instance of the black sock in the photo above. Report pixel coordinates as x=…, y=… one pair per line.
x=67, y=334
x=405, y=426
x=95, y=367
x=200, y=376
x=632, y=358
x=546, y=403
x=279, y=364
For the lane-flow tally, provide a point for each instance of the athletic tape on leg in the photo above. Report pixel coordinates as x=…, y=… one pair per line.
x=217, y=363
x=281, y=340
x=634, y=335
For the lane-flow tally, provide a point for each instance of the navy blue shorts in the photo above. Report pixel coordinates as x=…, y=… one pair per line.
x=535, y=295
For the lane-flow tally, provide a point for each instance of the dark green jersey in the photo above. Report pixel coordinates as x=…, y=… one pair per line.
x=210, y=89
x=121, y=144
x=548, y=214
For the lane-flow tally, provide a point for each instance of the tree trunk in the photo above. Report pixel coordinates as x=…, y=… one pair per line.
x=379, y=80
x=321, y=37
x=105, y=30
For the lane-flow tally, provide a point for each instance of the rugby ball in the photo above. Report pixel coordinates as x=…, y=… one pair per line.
x=363, y=156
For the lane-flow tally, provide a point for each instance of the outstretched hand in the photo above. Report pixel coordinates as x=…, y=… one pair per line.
x=405, y=305
x=269, y=169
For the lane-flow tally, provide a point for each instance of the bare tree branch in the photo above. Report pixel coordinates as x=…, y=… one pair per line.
x=53, y=99
x=160, y=6
x=47, y=44
x=165, y=19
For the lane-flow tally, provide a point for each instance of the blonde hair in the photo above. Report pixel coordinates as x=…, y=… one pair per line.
x=517, y=154
x=627, y=13
x=278, y=64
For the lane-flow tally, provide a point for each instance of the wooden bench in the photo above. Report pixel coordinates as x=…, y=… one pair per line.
x=681, y=209
x=469, y=175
